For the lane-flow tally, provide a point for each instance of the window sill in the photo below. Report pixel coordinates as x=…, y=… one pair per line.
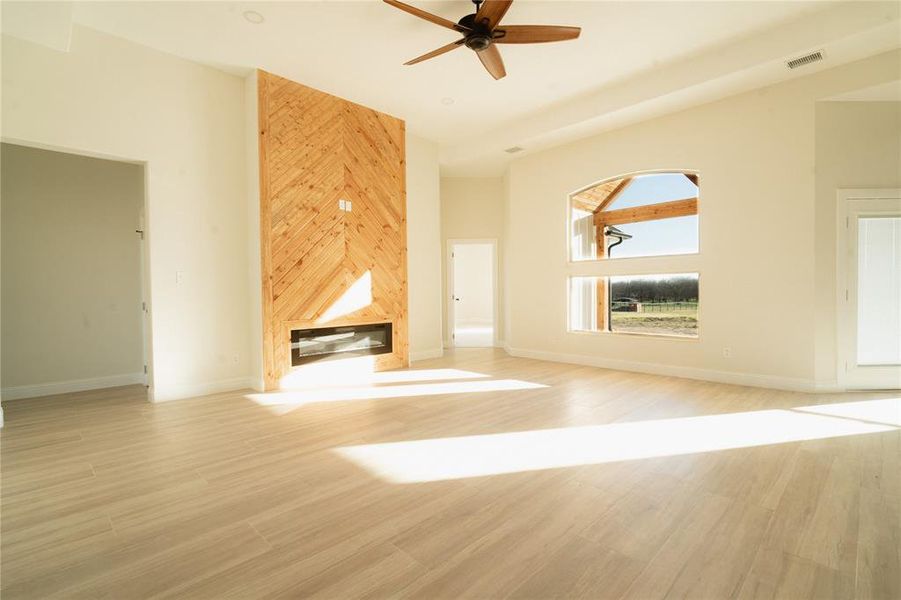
x=628, y=259
x=663, y=336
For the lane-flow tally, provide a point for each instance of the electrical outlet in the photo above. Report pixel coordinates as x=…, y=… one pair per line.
x=727, y=352
x=236, y=359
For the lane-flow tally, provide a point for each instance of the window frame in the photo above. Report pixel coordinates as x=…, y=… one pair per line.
x=656, y=265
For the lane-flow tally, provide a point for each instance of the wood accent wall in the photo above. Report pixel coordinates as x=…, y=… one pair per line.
x=316, y=150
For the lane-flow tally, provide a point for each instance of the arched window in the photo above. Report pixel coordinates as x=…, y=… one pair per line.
x=642, y=215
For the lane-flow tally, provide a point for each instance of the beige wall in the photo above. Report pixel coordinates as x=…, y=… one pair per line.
x=423, y=248
x=755, y=154
x=112, y=98
x=254, y=264
x=858, y=145
x=71, y=272
x=473, y=208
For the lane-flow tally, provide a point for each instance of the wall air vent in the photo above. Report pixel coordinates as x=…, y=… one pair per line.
x=513, y=150
x=805, y=60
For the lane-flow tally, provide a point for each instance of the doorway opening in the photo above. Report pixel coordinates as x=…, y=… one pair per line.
x=869, y=289
x=472, y=283
x=75, y=306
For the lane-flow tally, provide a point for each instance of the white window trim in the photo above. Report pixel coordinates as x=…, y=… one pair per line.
x=665, y=264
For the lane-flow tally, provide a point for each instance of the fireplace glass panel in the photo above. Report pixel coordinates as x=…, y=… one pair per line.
x=308, y=345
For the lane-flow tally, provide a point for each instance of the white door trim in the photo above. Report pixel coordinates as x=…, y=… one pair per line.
x=853, y=203
x=451, y=242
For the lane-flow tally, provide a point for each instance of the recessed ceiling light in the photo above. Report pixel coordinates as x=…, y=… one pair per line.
x=447, y=101
x=252, y=16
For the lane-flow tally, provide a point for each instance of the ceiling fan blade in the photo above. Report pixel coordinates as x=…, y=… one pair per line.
x=435, y=53
x=493, y=11
x=491, y=58
x=535, y=34
x=427, y=16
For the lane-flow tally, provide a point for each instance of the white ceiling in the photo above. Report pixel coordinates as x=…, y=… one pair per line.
x=631, y=54
x=357, y=49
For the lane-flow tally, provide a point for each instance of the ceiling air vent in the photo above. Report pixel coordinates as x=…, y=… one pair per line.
x=805, y=60
x=513, y=150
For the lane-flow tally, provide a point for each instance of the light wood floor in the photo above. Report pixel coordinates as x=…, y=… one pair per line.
x=107, y=496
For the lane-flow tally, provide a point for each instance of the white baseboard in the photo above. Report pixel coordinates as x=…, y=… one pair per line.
x=73, y=385
x=764, y=381
x=427, y=354
x=192, y=390
x=827, y=387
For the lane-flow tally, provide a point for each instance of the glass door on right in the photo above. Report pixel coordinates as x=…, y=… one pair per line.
x=870, y=341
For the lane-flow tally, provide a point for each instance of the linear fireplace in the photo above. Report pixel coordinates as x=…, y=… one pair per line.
x=309, y=345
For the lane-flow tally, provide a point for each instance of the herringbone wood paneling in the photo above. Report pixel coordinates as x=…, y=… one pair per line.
x=315, y=150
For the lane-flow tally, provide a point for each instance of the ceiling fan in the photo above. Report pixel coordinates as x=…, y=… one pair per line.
x=482, y=31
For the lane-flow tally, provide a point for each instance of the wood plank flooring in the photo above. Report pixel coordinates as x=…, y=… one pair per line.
x=107, y=496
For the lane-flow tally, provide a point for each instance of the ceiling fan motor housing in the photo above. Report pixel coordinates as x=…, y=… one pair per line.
x=477, y=42
x=479, y=36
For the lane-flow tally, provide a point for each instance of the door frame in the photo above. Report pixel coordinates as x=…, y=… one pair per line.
x=146, y=325
x=853, y=203
x=144, y=224
x=449, y=289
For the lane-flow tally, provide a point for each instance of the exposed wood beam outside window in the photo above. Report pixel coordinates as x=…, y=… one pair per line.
x=649, y=212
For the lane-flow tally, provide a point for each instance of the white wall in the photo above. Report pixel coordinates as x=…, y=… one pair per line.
x=755, y=154
x=473, y=208
x=254, y=264
x=858, y=145
x=71, y=273
x=423, y=248
x=117, y=99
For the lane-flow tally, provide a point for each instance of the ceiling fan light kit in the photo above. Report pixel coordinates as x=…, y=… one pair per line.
x=482, y=32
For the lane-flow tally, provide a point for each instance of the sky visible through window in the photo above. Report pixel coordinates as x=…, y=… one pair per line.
x=666, y=236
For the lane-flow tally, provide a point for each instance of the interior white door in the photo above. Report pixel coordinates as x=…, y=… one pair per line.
x=870, y=292
x=473, y=294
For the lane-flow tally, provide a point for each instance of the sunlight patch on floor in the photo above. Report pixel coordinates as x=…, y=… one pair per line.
x=286, y=401
x=360, y=371
x=482, y=455
x=887, y=411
